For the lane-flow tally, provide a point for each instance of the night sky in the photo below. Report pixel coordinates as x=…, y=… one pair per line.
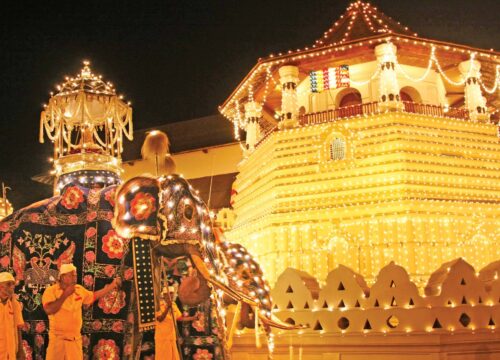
x=175, y=60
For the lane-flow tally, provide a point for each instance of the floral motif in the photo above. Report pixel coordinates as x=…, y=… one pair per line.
x=113, y=245
x=109, y=270
x=91, y=215
x=6, y=238
x=85, y=341
x=4, y=226
x=88, y=281
x=72, y=198
x=202, y=354
x=97, y=325
x=112, y=302
x=199, y=324
x=117, y=326
x=73, y=219
x=39, y=340
x=127, y=350
x=91, y=231
x=4, y=261
x=142, y=206
x=128, y=274
x=34, y=217
x=40, y=327
x=52, y=220
x=110, y=196
x=106, y=349
x=90, y=256
x=28, y=351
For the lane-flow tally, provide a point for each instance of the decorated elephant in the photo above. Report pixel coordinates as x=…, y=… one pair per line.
x=148, y=231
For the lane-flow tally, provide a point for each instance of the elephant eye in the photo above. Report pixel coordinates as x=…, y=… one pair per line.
x=188, y=212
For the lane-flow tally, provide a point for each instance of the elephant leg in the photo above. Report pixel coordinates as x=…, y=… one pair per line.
x=235, y=294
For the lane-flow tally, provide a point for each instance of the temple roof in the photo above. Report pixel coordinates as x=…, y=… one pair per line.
x=361, y=20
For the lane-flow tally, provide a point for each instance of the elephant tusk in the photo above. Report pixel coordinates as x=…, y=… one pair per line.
x=277, y=323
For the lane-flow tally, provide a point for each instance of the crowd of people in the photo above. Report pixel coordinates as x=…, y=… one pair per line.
x=63, y=302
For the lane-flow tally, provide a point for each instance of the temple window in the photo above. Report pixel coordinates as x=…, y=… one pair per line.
x=337, y=149
x=410, y=94
x=348, y=97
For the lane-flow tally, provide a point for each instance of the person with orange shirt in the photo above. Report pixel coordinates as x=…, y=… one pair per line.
x=11, y=320
x=165, y=326
x=63, y=304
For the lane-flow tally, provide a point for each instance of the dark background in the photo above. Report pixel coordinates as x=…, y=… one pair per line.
x=175, y=60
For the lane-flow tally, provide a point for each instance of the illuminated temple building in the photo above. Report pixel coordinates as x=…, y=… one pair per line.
x=371, y=145
x=371, y=167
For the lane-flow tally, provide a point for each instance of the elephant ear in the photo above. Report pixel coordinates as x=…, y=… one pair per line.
x=136, y=209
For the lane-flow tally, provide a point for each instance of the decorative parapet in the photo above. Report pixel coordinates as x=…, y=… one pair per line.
x=456, y=299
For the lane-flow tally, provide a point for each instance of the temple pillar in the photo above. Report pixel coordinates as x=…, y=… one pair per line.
x=474, y=100
x=388, y=97
x=253, y=113
x=289, y=78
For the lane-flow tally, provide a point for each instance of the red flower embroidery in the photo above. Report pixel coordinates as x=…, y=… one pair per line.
x=4, y=226
x=72, y=197
x=52, y=220
x=110, y=197
x=106, y=349
x=73, y=219
x=90, y=256
x=28, y=351
x=112, y=302
x=127, y=350
x=202, y=354
x=128, y=274
x=96, y=325
x=117, y=326
x=142, y=205
x=88, y=280
x=34, y=217
x=113, y=245
x=109, y=270
x=199, y=324
x=5, y=261
x=91, y=215
x=6, y=238
x=39, y=340
x=85, y=341
x=91, y=231
x=40, y=327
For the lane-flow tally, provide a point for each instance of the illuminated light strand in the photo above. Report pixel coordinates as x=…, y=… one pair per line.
x=334, y=48
x=362, y=83
x=495, y=86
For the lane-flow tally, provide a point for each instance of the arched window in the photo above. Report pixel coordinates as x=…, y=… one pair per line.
x=410, y=94
x=337, y=149
x=352, y=98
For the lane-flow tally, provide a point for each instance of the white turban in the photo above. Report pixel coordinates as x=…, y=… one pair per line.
x=6, y=276
x=66, y=268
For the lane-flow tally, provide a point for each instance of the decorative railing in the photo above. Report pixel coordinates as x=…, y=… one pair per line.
x=373, y=108
x=455, y=299
x=370, y=109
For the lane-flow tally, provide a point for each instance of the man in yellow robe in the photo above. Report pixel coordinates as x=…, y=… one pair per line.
x=11, y=320
x=63, y=304
x=165, y=326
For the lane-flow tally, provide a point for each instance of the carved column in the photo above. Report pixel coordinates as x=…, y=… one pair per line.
x=388, y=98
x=474, y=100
x=253, y=113
x=289, y=78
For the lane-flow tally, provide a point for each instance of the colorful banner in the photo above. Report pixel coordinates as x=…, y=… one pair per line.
x=329, y=78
